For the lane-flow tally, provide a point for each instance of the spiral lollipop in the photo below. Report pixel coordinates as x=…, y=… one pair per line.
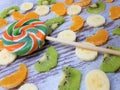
x=25, y=36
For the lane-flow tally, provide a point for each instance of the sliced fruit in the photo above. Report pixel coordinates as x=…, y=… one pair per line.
x=28, y=86
x=1, y=45
x=78, y=23
x=8, y=11
x=32, y=15
x=52, y=1
x=110, y=1
x=3, y=23
x=26, y=6
x=68, y=2
x=74, y=10
x=111, y=63
x=6, y=57
x=53, y=23
x=59, y=9
x=97, y=7
x=84, y=54
x=17, y=15
x=114, y=14
x=46, y=2
x=97, y=80
x=116, y=31
x=71, y=79
x=15, y=79
x=95, y=20
x=48, y=61
x=42, y=10
x=99, y=38
x=67, y=35
x=83, y=3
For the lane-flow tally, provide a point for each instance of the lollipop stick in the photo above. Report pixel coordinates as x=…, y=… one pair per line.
x=76, y=44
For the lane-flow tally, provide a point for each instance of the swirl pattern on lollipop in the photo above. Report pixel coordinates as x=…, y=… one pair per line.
x=25, y=36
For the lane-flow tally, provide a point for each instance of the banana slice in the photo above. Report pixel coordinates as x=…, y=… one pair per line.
x=97, y=80
x=28, y=86
x=42, y=10
x=26, y=6
x=95, y=20
x=74, y=10
x=6, y=57
x=67, y=35
x=86, y=55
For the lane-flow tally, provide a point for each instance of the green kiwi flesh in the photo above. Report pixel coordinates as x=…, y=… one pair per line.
x=71, y=79
x=96, y=8
x=116, y=31
x=111, y=63
x=46, y=2
x=48, y=61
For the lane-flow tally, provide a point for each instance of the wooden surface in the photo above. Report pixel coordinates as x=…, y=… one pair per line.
x=67, y=57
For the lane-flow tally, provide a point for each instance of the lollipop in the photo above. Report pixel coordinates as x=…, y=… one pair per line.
x=25, y=36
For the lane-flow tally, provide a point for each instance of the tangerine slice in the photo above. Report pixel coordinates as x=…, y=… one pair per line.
x=59, y=9
x=83, y=3
x=78, y=23
x=15, y=79
x=99, y=38
x=1, y=45
x=32, y=15
x=3, y=23
x=68, y=2
x=114, y=12
x=17, y=15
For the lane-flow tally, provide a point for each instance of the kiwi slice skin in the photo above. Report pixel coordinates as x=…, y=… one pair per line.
x=56, y=22
x=116, y=31
x=96, y=8
x=48, y=61
x=7, y=11
x=111, y=63
x=71, y=79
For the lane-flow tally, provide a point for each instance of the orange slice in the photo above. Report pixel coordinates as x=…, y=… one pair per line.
x=114, y=12
x=68, y=2
x=78, y=23
x=17, y=15
x=109, y=1
x=3, y=23
x=32, y=15
x=59, y=9
x=83, y=3
x=99, y=38
x=1, y=45
x=15, y=79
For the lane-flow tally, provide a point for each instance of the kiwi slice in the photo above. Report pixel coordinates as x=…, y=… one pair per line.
x=71, y=79
x=116, y=31
x=46, y=2
x=111, y=63
x=96, y=8
x=48, y=61
x=9, y=11
x=53, y=23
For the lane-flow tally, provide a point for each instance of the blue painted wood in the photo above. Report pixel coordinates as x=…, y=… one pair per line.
x=50, y=80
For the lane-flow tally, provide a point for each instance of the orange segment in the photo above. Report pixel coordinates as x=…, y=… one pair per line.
x=59, y=9
x=15, y=79
x=3, y=23
x=32, y=15
x=68, y=2
x=78, y=23
x=109, y=1
x=83, y=3
x=99, y=38
x=1, y=45
x=114, y=12
x=17, y=15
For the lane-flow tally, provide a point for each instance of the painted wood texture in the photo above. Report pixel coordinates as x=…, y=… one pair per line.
x=50, y=80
